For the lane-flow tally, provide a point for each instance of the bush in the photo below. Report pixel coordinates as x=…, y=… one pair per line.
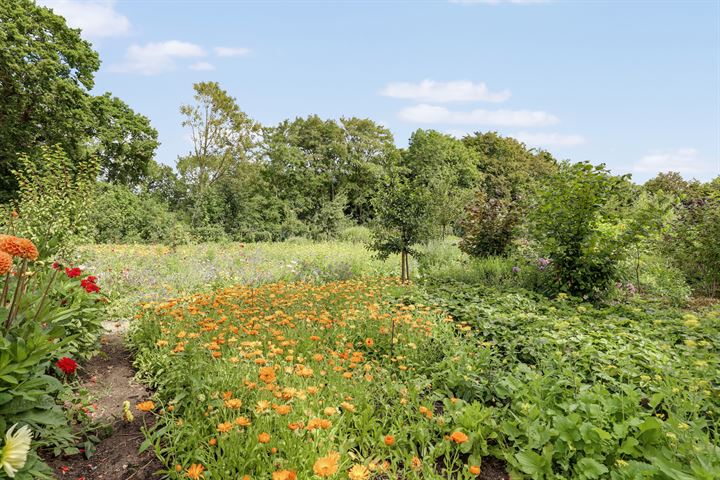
x=576, y=228
x=54, y=202
x=489, y=224
x=122, y=216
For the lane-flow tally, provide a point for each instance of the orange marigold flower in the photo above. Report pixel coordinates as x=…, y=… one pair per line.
x=6, y=263
x=458, y=437
x=283, y=409
x=389, y=440
x=358, y=472
x=295, y=426
x=233, y=403
x=224, y=427
x=474, y=469
x=347, y=406
x=416, y=463
x=326, y=466
x=267, y=374
x=195, y=472
x=145, y=406
x=264, y=437
x=369, y=342
x=284, y=475
x=242, y=421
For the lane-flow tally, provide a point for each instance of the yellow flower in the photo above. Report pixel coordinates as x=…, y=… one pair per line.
x=127, y=413
x=358, y=472
x=15, y=451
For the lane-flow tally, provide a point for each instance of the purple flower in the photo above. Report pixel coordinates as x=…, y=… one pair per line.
x=631, y=289
x=543, y=262
x=516, y=269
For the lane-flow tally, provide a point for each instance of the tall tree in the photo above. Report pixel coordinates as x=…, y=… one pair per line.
x=123, y=140
x=46, y=70
x=222, y=135
x=447, y=168
x=46, y=73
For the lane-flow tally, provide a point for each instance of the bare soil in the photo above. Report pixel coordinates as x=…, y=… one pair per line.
x=109, y=377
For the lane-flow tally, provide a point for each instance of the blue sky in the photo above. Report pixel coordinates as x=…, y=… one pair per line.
x=634, y=85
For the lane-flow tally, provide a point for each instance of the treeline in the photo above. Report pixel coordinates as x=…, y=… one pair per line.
x=324, y=178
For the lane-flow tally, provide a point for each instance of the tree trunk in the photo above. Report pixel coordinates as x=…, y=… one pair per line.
x=404, y=274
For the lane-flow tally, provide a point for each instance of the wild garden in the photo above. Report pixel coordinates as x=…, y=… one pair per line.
x=307, y=300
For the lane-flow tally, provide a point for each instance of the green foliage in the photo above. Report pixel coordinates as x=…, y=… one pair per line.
x=125, y=142
x=355, y=235
x=121, y=216
x=573, y=391
x=221, y=133
x=577, y=229
x=47, y=73
x=694, y=240
x=54, y=201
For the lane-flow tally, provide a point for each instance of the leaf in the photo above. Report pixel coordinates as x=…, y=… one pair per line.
x=590, y=468
x=531, y=463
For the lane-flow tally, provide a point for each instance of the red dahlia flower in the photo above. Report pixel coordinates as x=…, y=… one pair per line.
x=67, y=365
x=89, y=284
x=73, y=272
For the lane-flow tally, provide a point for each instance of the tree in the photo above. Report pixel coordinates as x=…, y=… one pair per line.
x=221, y=133
x=46, y=71
x=403, y=217
x=123, y=140
x=510, y=175
x=447, y=169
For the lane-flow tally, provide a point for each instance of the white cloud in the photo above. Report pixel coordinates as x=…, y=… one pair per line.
x=156, y=58
x=504, y=118
x=96, y=18
x=442, y=92
x=202, y=66
x=231, y=51
x=549, y=139
x=683, y=160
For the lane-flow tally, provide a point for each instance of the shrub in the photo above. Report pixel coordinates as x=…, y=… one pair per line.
x=489, y=224
x=576, y=228
x=54, y=201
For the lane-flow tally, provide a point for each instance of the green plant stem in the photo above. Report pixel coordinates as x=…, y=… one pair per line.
x=3, y=297
x=16, y=300
x=44, y=297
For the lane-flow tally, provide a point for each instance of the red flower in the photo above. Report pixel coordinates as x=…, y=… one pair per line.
x=88, y=283
x=73, y=272
x=67, y=365
x=56, y=266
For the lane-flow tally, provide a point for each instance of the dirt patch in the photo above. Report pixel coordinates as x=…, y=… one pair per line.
x=109, y=377
x=493, y=469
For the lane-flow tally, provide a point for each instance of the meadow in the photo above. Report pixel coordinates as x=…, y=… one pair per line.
x=285, y=373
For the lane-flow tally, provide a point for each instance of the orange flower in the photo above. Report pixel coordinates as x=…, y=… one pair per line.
x=283, y=409
x=267, y=374
x=474, y=469
x=6, y=263
x=416, y=463
x=18, y=247
x=295, y=425
x=224, y=427
x=369, y=342
x=195, y=472
x=326, y=466
x=264, y=437
x=284, y=475
x=321, y=423
x=233, y=403
x=145, y=406
x=458, y=437
x=242, y=421
x=389, y=440
x=358, y=472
